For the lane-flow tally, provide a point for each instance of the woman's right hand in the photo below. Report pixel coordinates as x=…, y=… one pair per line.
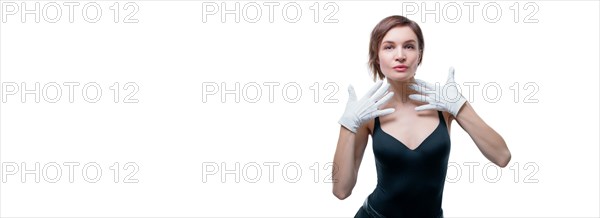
x=367, y=108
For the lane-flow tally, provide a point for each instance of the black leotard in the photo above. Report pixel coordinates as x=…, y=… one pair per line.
x=410, y=183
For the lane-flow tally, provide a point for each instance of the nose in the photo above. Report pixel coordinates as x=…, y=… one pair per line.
x=400, y=56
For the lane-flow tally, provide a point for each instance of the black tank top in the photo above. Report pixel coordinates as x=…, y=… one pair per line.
x=410, y=183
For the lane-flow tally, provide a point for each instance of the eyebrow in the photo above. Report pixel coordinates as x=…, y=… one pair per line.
x=412, y=40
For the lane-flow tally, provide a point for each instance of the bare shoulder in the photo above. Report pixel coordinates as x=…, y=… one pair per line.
x=448, y=118
x=371, y=126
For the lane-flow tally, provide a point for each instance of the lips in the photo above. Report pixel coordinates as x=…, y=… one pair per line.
x=400, y=68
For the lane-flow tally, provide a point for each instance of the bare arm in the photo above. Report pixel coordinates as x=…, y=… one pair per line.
x=354, y=135
x=489, y=142
x=348, y=157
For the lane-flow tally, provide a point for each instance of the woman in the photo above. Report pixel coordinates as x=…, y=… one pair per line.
x=409, y=121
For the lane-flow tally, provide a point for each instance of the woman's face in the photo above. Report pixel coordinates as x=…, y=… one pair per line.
x=399, y=54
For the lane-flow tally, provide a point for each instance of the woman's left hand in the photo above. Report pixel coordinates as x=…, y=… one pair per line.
x=447, y=98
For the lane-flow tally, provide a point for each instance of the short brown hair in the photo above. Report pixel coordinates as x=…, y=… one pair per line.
x=379, y=32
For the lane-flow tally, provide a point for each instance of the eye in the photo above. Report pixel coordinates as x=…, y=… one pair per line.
x=409, y=46
x=387, y=47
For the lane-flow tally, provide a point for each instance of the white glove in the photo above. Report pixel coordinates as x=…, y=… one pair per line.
x=446, y=98
x=365, y=109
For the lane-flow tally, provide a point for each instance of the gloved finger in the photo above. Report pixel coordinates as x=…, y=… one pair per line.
x=421, y=98
x=427, y=107
x=450, y=75
x=383, y=112
x=418, y=88
x=385, y=99
x=425, y=84
x=381, y=91
x=351, y=93
x=374, y=88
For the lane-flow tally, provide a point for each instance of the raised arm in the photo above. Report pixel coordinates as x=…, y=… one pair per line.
x=449, y=99
x=354, y=135
x=489, y=142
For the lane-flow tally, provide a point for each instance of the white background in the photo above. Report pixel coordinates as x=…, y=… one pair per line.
x=170, y=134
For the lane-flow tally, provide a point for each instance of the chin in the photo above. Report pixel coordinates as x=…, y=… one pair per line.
x=399, y=77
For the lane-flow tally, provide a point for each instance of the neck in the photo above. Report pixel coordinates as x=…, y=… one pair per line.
x=401, y=90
